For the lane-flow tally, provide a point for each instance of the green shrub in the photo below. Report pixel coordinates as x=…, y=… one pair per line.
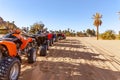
x=108, y=35
x=119, y=37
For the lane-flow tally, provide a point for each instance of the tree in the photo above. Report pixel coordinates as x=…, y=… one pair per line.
x=36, y=27
x=45, y=29
x=81, y=34
x=89, y=32
x=97, y=22
x=119, y=14
x=93, y=32
x=68, y=29
x=119, y=32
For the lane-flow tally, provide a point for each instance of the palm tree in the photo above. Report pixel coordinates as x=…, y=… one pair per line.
x=97, y=22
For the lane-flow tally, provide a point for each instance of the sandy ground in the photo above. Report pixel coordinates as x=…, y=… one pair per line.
x=76, y=59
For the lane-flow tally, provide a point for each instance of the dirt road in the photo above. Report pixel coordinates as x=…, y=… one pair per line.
x=73, y=59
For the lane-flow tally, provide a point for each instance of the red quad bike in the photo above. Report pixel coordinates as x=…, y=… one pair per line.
x=12, y=46
x=50, y=39
x=61, y=36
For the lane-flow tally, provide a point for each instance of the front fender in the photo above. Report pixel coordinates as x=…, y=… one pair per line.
x=11, y=46
x=25, y=42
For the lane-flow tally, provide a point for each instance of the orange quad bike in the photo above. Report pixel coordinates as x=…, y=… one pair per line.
x=12, y=45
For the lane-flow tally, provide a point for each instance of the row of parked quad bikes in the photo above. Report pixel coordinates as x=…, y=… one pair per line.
x=13, y=45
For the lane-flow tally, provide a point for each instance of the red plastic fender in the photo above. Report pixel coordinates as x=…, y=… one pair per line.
x=49, y=36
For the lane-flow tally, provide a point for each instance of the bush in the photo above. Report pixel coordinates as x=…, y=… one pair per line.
x=119, y=37
x=108, y=35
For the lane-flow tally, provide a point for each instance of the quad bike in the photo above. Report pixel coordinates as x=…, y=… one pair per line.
x=41, y=40
x=61, y=36
x=54, y=37
x=12, y=46
x=50, y=39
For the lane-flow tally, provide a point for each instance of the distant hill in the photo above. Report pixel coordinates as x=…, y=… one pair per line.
x=5, y=26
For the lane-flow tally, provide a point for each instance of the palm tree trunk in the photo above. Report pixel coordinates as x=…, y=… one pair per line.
x=97, y=32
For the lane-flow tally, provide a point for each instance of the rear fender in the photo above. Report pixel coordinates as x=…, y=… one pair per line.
x=11, y=46
x=25, y=42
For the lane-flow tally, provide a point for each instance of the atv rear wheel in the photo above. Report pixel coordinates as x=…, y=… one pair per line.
x=43, y=50
x=10, y=68
x=32, y=55
x=50, y=43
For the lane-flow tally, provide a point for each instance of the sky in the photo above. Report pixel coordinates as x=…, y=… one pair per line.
x=62, y=14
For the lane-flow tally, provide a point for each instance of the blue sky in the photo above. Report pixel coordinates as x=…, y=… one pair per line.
x=62, y=14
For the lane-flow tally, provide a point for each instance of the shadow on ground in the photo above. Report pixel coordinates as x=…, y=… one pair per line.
x=53, y=69
x=48, y=70
x=74, y=54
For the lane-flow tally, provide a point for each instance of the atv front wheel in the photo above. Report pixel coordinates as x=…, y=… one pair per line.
x=10, y=68
x=32, y=55
x=43, y=50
